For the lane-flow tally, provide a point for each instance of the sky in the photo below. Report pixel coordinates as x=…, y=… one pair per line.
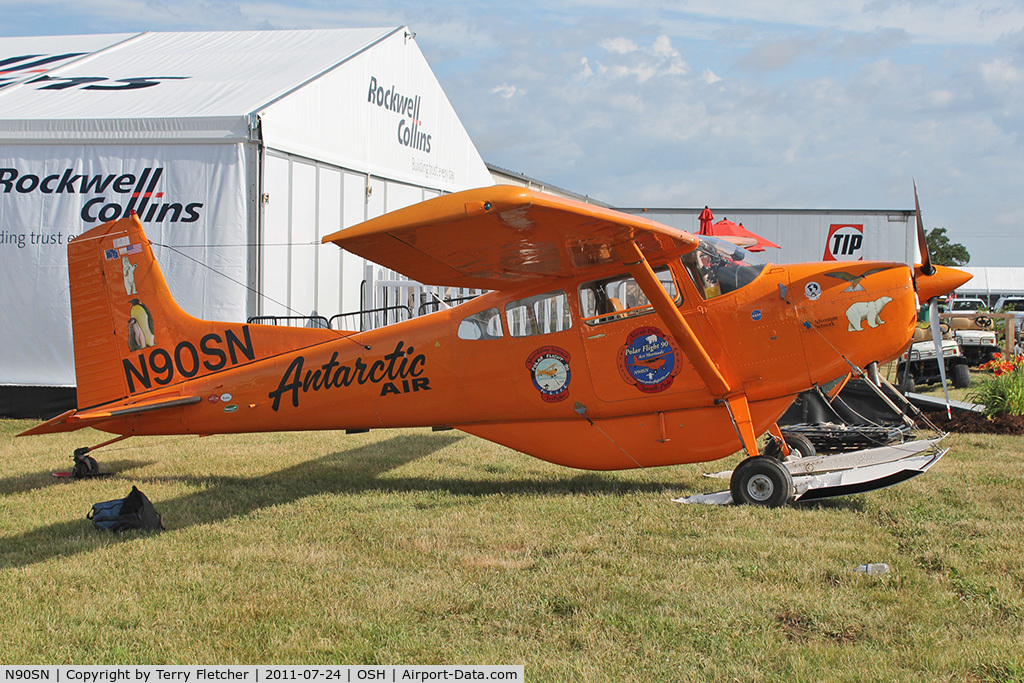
x=832, y=104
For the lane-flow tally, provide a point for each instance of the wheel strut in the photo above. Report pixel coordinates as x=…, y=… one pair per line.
x=86, y=465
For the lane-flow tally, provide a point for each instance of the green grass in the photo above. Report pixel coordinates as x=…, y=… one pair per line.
x=409, y=546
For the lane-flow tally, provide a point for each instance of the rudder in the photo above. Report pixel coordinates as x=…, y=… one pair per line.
x=131, y=336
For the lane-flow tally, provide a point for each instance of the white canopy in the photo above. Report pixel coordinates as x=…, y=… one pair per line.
x=194, y=85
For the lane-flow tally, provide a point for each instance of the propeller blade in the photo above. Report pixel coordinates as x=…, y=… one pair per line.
x=922, y=242
x=933, y=321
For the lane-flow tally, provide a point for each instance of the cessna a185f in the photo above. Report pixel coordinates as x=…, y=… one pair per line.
x=608, y=341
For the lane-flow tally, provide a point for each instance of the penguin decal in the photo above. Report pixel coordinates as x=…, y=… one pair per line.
x=140, y=314
x=136, y=340
x=128, y=271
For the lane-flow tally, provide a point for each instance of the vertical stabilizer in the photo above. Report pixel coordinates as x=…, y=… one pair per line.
x=115, y=283
x=131, y=336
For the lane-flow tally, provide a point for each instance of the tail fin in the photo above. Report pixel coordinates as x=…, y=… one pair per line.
x=131, y=336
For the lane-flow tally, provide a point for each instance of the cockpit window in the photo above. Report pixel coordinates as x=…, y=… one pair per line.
x=614, y=298
x=718, y=267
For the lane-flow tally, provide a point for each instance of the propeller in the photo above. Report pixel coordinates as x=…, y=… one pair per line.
x=930, y=271
x=922, y=240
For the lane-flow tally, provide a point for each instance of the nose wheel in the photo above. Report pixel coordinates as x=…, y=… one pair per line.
x=763, y=481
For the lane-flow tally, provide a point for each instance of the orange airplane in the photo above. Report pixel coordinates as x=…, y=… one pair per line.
x=608, y=341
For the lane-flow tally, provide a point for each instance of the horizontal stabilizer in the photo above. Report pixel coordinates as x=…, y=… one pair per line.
x=75, y=419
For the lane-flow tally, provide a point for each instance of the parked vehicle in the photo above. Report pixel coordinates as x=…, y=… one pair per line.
x=1012, y=304
x=965, y=305
x=975, y=334
x=924, y=366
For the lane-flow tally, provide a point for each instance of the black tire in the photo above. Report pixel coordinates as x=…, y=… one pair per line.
x=84, y=466
x=801, y=444
x=961, y=373
x=906, y=384
x=761, y=481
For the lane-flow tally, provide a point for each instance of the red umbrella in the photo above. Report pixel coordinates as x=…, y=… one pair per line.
x=726, y=228
x=705, y=221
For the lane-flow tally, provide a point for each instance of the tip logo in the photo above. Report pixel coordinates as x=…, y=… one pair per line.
x=844, y=243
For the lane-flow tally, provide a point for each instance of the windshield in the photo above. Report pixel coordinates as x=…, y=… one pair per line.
x=965, y=305
x=1012, y=304
x=718, y=267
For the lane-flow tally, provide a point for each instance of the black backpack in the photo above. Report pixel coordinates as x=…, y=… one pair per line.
x=134, y=511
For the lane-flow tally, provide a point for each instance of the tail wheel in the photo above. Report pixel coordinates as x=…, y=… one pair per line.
x=801, y=444
x=85, y=465
x=761, y=481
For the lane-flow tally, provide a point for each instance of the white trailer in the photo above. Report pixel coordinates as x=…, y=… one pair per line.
x=814, y=234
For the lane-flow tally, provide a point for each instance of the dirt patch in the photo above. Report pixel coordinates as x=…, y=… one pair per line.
x=965, y=422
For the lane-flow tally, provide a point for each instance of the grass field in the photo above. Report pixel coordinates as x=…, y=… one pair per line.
x=401, y=547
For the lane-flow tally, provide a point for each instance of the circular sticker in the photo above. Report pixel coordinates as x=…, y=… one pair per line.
x=230, y=408
x=549, y=369
x=649, y=359
x=812, y=290
x=755, y=314
x=225, y=397
x=214, y=399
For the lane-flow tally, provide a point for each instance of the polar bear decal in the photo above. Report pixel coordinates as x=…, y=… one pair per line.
x=866, y=311
x=128, y=270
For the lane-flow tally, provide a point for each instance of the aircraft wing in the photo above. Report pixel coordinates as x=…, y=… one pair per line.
x=504, y=236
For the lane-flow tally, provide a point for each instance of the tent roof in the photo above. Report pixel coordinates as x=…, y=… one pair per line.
x=181, y=83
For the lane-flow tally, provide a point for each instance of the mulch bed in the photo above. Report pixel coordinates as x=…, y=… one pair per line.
x=965, y=422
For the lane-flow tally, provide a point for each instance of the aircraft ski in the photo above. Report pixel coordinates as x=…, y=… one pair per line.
x=841, y=474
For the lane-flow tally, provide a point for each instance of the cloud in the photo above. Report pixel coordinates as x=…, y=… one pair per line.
x=505, y=90
x=710, y=77
x=692, y=102
x=620, y=46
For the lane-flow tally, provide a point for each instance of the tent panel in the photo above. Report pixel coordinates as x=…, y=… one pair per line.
x=407, y=128
x=328, y=261
x=275, y=257
x=302, y=300
x=181, y=74
x=354, y=210
x=191, y=198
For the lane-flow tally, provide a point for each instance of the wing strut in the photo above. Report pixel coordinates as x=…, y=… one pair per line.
x=735, y=400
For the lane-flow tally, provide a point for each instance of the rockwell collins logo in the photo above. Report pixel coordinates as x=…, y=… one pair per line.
x=409, y=133
x=116, y=195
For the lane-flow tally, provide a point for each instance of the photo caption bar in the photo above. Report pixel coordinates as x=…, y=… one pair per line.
x=392, y=673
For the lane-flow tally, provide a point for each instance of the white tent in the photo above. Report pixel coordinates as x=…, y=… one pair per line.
x=992, y=282
x=238, y=150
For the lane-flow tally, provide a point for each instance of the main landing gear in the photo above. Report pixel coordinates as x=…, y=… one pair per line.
x=761, y=480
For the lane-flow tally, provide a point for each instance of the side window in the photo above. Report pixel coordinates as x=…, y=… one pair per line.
x=484, y=324
x=613, y=298
x=540, y=314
